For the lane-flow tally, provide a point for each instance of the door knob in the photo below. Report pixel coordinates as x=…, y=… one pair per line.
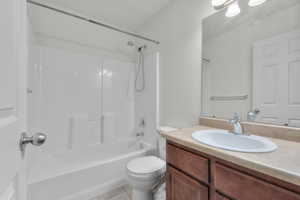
x=37, y=139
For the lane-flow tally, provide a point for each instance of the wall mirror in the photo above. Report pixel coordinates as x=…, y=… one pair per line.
x=251, y=63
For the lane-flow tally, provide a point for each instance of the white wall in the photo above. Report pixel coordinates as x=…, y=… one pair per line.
x=179, y=29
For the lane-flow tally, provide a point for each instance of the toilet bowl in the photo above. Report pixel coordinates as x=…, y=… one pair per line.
x=143, y=174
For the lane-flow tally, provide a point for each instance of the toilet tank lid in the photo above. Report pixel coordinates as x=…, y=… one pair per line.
x=146, y=165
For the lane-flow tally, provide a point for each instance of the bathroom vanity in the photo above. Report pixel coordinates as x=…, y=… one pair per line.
x=199, y=172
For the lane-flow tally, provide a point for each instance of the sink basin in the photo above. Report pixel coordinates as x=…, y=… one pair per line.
x=228, y=141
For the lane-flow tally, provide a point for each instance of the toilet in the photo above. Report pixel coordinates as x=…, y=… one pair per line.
x=143, y=174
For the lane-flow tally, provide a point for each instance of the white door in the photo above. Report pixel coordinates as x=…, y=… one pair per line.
x=293, y=76
x=276, y=83
x=12, y=96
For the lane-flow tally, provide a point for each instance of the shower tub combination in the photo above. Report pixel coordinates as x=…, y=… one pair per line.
x=87, y=106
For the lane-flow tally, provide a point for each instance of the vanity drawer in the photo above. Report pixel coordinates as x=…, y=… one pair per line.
x=244, y=187
x=190, y=163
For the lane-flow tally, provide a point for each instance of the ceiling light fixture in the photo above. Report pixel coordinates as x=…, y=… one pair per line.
x=220, y=4
x=233, y=10
x=217, y=3
x=253, y=3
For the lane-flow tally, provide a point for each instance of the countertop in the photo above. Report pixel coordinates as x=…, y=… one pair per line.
x=283, y=163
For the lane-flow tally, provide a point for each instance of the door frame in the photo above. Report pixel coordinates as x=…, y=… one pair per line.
x=22, y=51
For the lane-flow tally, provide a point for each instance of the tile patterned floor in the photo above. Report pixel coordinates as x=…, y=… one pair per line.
x=116, y=194
x=123, y=193
x=161, y=193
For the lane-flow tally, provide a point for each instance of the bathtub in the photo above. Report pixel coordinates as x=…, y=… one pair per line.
x=82, y=175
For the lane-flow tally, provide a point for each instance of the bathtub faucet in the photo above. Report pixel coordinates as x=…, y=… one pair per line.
x=140, y=134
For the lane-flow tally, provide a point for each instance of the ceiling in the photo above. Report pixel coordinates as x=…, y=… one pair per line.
x=125, y=14
x=129, y=14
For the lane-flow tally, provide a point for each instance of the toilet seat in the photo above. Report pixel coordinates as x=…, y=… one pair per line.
x=146, y=167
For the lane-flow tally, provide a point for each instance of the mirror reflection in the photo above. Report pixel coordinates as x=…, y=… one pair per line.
x=251, y=63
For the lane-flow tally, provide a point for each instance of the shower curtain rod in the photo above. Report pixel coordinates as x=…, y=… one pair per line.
x=93, y=22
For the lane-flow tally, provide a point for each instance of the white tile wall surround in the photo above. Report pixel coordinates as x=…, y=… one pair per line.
x=74, y=89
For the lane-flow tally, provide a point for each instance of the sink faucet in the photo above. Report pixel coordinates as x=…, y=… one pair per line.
x=236, y=122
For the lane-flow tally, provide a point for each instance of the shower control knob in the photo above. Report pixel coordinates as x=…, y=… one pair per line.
x=37, y=139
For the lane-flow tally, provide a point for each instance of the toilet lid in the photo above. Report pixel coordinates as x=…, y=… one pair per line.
x=146, y=165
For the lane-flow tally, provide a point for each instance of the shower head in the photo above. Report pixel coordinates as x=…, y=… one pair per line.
x=139, y=48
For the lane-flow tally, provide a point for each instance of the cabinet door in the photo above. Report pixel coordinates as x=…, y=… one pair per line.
x=182, y=187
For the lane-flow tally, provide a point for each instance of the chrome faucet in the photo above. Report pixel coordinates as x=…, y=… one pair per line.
x=236, y=122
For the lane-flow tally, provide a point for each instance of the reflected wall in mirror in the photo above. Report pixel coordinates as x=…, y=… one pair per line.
x=251, y=63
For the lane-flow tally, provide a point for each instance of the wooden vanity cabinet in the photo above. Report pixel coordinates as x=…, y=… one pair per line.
x=192, y=175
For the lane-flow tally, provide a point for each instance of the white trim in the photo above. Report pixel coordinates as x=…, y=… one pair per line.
x=157, y=90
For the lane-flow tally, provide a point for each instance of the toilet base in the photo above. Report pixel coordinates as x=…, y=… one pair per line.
x=141, y=195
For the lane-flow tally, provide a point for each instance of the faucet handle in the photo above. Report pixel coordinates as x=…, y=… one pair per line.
x=236, y=118
x=140, y=134
x=231, y=121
